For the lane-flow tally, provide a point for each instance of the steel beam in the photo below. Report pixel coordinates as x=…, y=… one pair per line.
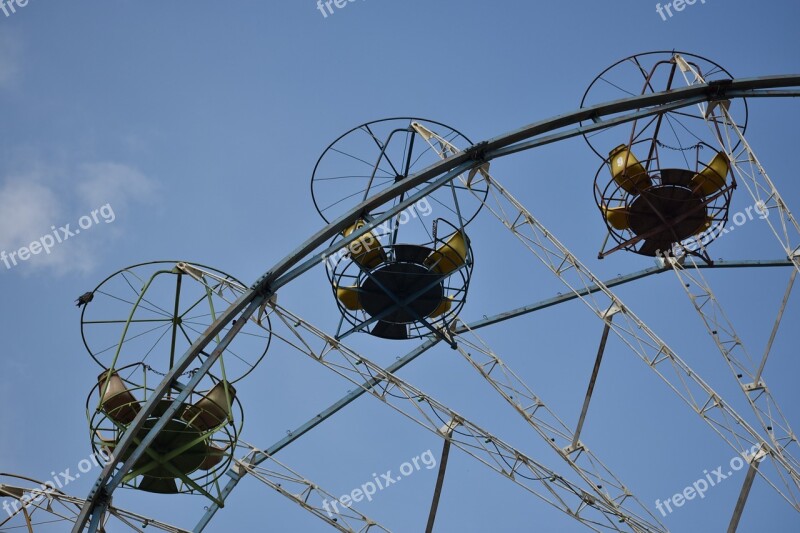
x=590, y=390
x=775, y=327
x=445, y=170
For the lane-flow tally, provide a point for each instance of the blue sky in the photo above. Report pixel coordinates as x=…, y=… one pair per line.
x=201, y=122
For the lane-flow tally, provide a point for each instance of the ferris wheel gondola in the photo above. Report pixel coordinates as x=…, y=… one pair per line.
x=409, y=277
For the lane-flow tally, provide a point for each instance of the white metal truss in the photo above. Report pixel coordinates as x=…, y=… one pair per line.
x=637, y=335
x=593, y=472
x=304, y=493
x=744, y=369
x=598, y=514
x=748, y=168
x=215, y=283
x=53, y=506
x=748, y=375
x=545, y=422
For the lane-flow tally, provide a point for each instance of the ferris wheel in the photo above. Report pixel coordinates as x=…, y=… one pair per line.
x=172, y=338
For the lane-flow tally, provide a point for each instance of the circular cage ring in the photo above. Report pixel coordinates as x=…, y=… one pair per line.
x=374, y=156
x=153, y=312
x=649, y=73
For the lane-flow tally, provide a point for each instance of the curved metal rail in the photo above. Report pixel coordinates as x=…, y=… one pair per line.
x=536, y=134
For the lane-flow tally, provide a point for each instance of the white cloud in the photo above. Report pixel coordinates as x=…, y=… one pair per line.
x=33, y=206
x=25, y=205
x=119, y=185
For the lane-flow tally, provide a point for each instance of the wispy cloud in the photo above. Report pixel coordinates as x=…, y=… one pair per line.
x=34, y=204
x=113, y=183
x=25, y=205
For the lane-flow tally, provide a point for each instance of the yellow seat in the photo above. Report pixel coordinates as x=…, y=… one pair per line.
x=627, y=171
x=213, y=409
x=618, y=217
x=450, y=255
x=712, y=178
x=366, y=250
x=349, y=297
x=116, y=400
x=444, y=306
